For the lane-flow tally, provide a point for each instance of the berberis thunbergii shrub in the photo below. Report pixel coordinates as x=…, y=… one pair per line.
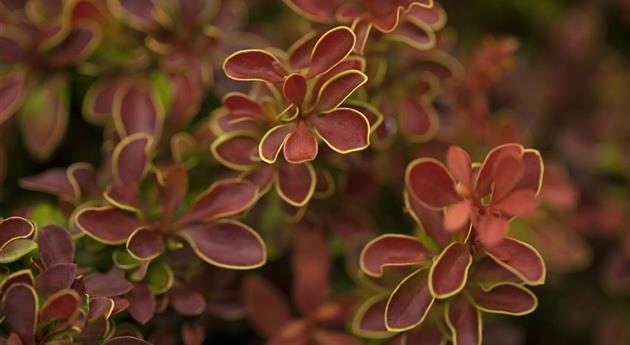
x=306, y=172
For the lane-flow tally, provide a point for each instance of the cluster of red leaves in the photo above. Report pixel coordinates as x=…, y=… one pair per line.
x=465, y=264
x=157, y=228
x=57, y=303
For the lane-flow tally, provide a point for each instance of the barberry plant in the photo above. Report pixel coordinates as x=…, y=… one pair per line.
x=190, y=172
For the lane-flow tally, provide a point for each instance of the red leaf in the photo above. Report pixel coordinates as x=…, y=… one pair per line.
x=295, y=183
x=100, y=307
x=84, y=178
x=223, y=199
x=174, y=190
x=63, y=305
x=459, y=164
x=415, y=33
x=418, y=119
x=484, y=179
x=237, y=150
x=392, y=250
x=11, y=92
x=520, y=203
x=457, y=216
x=491, y=229
x=227, y=244
x=409, y=303
x=44, y=116
x=55, y=245
x=23, y=276
x=464, y=320
x=352, y=63
x=432, y=221
x=131, y=159
x=368, y=320
x=186, y=301
x=532, y=171
x=434, y=16
x=14, y=42
x=78, y=44
x=311, y=269
x=273, y=141
x=106, y=284
x=361, y=29
x=19, y=306
x=53, y=181
x=345, y=130
x=334, y=46
x=55, y=278
x=428, y=181
x=301, y=145
x=136, y=109
x=253, y=64
x=193, y=334
x=426, y=334
x=145, y=244
x=337, y=89
x=505, y=298
x=449, y=272
x=141, y=15
x=241, y=106
x=258, y=294
x=107, y=224
x=15, y=227
x=98, y=104
x=294, y=88
x=300, y=51
x=521, y=259
x=123, y=196
x=507, y=173
x=262, y=177
x=141, y=303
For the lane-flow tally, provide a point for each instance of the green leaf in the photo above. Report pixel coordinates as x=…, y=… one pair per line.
x=159, y=277
x=16, y=249
x=160, y=86
x=45, y=214
x=123, y=260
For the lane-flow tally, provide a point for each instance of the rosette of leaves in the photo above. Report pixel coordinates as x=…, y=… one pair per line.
x=487, y=196
x=39, y=42
x=294, y=183
x=51, y=307
x=147, y=229
x=407, y=21
x=304, y=97
x=311, y=289
x=448, y=279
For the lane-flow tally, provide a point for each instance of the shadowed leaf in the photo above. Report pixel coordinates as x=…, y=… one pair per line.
x=392, y=250
x=223, y=199
x=449, y=272
x=227, y=244
x=258, y=295
x=19, y=305
x=410, y=302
